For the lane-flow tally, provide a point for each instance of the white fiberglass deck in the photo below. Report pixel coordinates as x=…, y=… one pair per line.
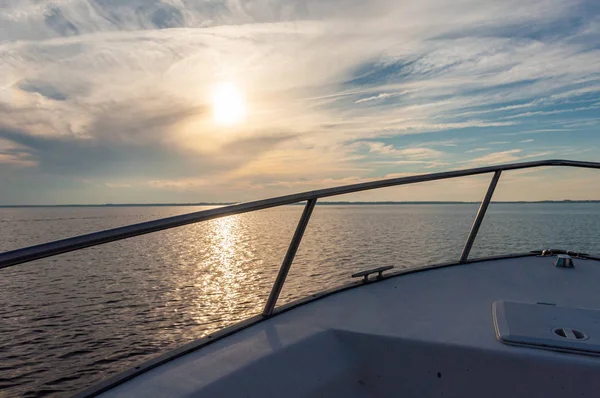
x=425, y=334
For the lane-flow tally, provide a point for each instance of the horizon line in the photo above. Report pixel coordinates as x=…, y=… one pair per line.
x=387, y=202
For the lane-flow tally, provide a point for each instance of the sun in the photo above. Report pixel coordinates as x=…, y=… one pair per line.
x=228, y=103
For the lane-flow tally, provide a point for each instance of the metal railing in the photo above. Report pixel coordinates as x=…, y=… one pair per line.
x=32, y=253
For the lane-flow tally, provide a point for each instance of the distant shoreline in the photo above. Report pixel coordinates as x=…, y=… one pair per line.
x=318, y=203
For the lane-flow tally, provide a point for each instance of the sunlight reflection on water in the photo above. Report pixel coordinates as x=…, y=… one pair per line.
x=70, y=320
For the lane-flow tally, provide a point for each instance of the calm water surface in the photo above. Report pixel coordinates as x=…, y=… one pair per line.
x=71, y=320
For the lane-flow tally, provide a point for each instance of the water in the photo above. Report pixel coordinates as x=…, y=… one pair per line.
x=71, y=320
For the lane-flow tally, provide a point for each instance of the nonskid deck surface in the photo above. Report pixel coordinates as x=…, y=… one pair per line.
x=424, y=334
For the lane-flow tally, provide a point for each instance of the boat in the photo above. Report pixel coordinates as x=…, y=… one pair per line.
x=515, y=325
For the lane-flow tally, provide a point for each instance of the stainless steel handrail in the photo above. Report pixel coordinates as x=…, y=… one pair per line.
x=479, y=218
x=289, y=257
x=36, y=252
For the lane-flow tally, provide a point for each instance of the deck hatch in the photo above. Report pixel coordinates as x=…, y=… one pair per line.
x=548, y=327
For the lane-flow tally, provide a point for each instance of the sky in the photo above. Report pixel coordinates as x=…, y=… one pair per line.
x=146, y=101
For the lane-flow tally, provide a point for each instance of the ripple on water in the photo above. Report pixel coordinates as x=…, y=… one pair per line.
x=72, y=320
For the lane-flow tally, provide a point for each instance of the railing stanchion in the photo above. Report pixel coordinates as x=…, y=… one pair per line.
x=480, y=214
x=31, y=253
x=289, y=257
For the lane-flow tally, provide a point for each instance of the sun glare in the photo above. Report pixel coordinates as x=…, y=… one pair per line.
x=228, y=104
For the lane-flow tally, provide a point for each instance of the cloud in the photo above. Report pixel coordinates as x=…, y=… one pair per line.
x=477, y=150
x=498, y=157
x=554, y=112
x=408, y=153
x=98, y=88
x=137, y=154
x=56, y=21
x=512, y=155
x=44, y=89
x=381, y=96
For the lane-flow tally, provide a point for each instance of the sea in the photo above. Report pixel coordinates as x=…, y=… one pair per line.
x=69, y=321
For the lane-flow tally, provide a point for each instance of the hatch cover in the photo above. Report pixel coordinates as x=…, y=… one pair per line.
x=547, y=326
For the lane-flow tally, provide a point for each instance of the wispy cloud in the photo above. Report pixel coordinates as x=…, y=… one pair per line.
x=408, y=153
x=497, y=157
x=554, y=112
x=94, y=89
x=381, y=96
x=511, y=155
x=478, y=150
